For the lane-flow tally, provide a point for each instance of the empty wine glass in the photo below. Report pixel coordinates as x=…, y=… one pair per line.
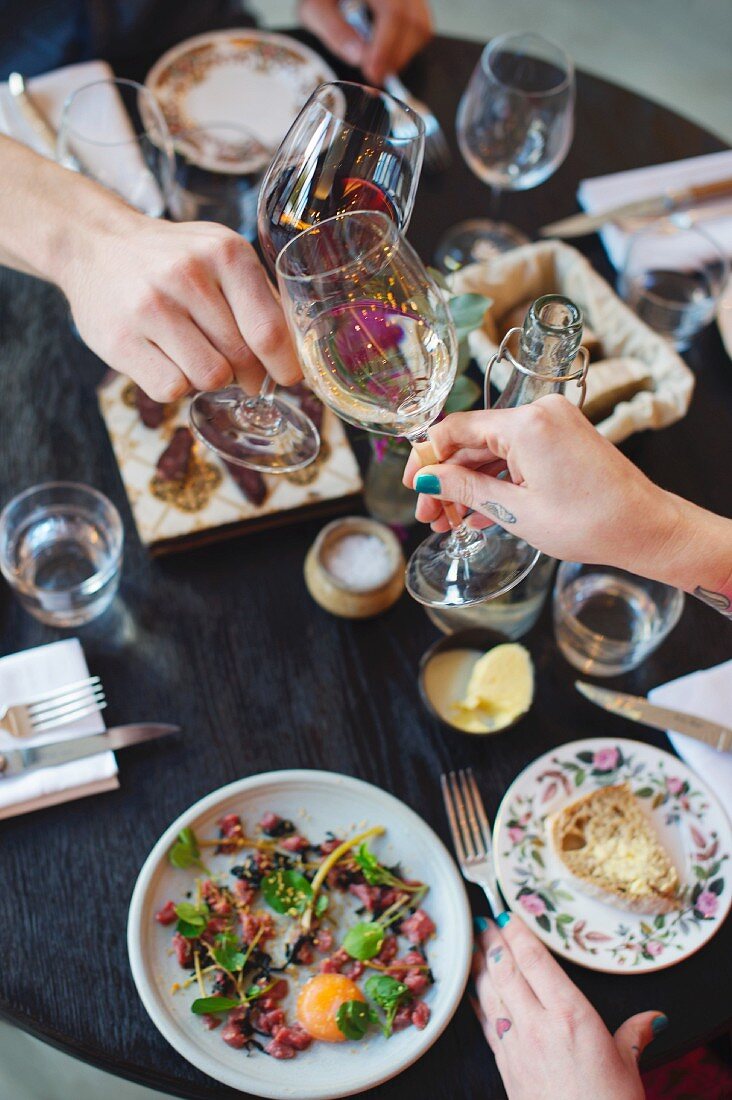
x=378, y=346
x=514, y=124
x=114, y=132
x=350, y=148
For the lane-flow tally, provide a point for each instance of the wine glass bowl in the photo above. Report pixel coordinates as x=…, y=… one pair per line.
x=515, y=124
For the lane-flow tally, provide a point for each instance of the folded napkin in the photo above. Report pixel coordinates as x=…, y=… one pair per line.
x=707, y=694
x=603, y=192
x=29, y=673
x=116, y=162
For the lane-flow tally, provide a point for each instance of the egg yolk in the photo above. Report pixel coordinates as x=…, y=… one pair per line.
x=318, y=1004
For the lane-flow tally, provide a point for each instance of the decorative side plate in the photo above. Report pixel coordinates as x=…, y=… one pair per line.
x=688, y=819
x=253, y=80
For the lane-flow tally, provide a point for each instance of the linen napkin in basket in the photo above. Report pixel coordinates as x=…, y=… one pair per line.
x=32, y=672
x=707, y=694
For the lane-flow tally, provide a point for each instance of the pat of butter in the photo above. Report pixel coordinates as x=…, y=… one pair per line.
x=500, y=690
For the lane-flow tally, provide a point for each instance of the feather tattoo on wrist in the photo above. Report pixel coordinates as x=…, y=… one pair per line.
x=718, y=600
x=493, y=508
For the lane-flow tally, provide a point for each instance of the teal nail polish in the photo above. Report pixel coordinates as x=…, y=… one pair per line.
x=659, y=1024
x=427, y=483
x=502, y=919
x=480, y=924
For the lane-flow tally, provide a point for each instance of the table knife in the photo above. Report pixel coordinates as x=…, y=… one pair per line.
x=640, y=710
x=36, y=119
x=657, y=206
x=17, y=761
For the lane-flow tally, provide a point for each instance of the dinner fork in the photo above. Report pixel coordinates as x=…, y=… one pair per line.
x=471, y=833
x=437, y=154
x=54, y=708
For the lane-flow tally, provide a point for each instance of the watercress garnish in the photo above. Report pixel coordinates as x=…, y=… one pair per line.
x=192, y=919
x=286, y=891
x=389, y=994
x=363, y=941
x=229, y=958
x=353, y=1019
x=185, y=852
x=209, y=1006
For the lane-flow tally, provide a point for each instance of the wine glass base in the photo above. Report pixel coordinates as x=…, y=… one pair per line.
x=476, y=240
x=271, y=436
x=491, y=566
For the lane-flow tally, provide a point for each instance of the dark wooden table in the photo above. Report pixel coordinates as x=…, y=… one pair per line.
x=226, y=641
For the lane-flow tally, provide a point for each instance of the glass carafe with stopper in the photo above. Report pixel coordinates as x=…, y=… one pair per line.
x=464, y=566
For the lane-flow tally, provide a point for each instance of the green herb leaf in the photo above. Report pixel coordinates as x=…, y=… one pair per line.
x=363, y=941
x=389, y=994
x=185, y=852
x=463, y=395
x=468, y=311
x=353, y=1019
x=192, y=920
x=209, y=1006
x=256, y=991
x=286, y=891
x=228, y=959
x=321, y=905
x=372, y=870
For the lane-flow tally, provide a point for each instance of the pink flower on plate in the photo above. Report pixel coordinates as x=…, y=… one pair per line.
x=606, y=760
x=706, y=903
x=516, y=833
x=654, y=948
x=674, y=785
x=525, y=818
x=533, y=904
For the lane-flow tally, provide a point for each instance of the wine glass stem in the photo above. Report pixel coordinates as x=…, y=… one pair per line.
x=261, y=412
x=463, y=540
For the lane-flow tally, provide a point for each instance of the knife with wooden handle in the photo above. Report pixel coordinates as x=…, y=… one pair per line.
x=20, y=761
x=640, y=710
x=657, y=206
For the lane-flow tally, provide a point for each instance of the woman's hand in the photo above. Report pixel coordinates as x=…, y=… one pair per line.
x=548, y=1040
x=177, y=306
x=400, y=29
x=570, y=492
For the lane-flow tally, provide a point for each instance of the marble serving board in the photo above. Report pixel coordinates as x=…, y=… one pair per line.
x=206, y=503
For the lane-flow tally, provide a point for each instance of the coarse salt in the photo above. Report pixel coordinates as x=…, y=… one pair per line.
x=361, y=562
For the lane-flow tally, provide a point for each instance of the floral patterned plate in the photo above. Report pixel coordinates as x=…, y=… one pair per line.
x=688, y=819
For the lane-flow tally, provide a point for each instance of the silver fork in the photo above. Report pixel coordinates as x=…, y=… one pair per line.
x=471, y=833
x=54, y=708
x=437, y=154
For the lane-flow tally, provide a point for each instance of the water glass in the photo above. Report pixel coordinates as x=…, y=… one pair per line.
x=673, y=278
x=61, y=551
x=209, y=183
x=607, y=621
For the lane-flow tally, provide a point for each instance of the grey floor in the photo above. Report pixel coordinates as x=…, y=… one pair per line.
x=678, y=52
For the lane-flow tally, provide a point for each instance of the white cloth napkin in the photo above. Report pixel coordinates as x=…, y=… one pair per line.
x=120, y=167
x=707, y=694
x=29, y=673
x=603, y=192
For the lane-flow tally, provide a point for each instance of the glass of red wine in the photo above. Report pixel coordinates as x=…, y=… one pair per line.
x=351, y=148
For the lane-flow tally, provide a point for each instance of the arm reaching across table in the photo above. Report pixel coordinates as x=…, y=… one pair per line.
x=174, y=306
x=572, y=494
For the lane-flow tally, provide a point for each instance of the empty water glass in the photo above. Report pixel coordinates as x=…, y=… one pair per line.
x=607, y=621
x=61, y=551
x=673, y=278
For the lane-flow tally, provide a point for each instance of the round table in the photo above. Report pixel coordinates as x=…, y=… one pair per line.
x=226, y=641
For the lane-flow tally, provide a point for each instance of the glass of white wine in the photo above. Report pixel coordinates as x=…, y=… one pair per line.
x=378, y=346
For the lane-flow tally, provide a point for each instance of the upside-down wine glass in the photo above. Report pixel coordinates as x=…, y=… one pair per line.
x=514, y=124
x=350, y=148
x=378, y=346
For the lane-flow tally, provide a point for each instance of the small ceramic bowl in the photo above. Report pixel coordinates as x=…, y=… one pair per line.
x=440, y=696
x=353, y=601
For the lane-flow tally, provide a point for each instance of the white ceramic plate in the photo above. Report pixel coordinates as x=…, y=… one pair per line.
x=688, y=819
x=250, y=80
x=319, y=801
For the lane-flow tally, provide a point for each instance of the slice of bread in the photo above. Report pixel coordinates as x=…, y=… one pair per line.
x=610, y=849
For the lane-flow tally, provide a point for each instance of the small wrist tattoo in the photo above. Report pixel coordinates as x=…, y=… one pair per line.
x=493, y=508
x=502, y=1026
x=718, y=600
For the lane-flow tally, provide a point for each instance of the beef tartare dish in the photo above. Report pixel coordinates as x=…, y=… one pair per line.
x=296, y=942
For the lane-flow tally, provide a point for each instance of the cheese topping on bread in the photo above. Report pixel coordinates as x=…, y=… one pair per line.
x=608, y=845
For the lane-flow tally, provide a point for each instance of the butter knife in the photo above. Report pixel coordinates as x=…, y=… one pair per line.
x=36, y=119
x=657, y=206
x=17, y=761
x=640, y=710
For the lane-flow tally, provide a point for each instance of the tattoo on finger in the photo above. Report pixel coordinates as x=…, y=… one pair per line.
x=493, y=508
x=496, y=954
x=502, y=1026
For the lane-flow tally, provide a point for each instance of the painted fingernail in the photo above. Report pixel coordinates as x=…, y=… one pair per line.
x=502, y=919
x=659, y=1024
x=480, y=924
x=427, y=483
